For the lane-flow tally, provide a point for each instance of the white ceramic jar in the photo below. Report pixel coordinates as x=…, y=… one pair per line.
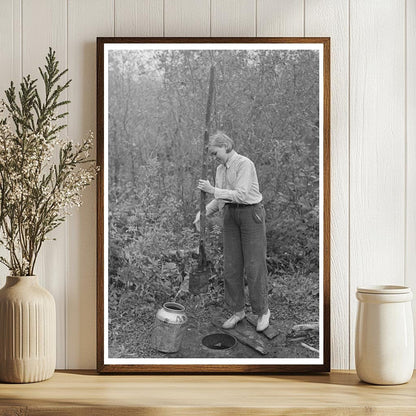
x=384, y=342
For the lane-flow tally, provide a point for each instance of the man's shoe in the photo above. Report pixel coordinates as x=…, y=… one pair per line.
x=263, y=321
x=234, y=320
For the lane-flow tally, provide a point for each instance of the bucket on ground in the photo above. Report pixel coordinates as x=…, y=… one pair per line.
x=169, y=327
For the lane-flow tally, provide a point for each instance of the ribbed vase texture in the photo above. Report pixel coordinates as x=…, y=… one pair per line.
x=27, y=331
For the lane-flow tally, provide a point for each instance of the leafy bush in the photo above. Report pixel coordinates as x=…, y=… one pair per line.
x=267, y=102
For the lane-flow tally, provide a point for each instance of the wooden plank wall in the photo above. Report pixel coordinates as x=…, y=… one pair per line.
x=373, y=132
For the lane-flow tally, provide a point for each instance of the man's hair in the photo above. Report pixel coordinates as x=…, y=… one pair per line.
x=220, y=139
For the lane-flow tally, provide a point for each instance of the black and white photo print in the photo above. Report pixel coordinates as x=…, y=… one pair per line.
x=213, y=205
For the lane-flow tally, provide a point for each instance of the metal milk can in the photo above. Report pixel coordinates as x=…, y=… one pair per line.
x=384, y=340
x=169, y=327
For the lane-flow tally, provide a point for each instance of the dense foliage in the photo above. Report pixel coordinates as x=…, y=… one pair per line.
x=268, y=102
x=37, y=186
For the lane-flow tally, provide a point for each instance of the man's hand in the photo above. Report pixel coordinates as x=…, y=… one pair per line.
x=197, y=221
x=205, y=186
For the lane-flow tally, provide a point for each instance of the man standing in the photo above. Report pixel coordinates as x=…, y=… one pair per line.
x=237, y=194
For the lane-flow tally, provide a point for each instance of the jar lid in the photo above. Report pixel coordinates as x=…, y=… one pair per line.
x=384, y=289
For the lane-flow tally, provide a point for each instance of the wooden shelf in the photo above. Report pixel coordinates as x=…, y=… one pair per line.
x=86, y=393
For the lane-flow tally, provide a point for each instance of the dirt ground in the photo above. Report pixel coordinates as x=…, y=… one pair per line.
x=279, y=347
x=131, y=334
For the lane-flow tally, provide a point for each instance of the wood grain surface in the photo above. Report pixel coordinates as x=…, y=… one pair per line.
x=138, y=17
x=410, y=275
x=233, y=18
x=377, y=170
x=330, y=18
x=35, y=45
x=85, y=393
x=281, y=17
x=81, y=249
x=187, y=18
x=372, y=124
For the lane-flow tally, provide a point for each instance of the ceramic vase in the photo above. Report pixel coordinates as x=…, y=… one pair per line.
x=27, y=331
x=384, y=344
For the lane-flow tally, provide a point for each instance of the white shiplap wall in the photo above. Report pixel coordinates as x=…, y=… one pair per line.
x=373, y=132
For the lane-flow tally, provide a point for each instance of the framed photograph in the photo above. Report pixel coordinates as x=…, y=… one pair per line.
x=213, y=205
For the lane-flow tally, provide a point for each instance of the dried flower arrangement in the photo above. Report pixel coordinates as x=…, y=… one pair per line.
x=37, y=187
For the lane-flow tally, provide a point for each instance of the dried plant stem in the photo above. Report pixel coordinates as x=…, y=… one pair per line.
x=35, y=193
